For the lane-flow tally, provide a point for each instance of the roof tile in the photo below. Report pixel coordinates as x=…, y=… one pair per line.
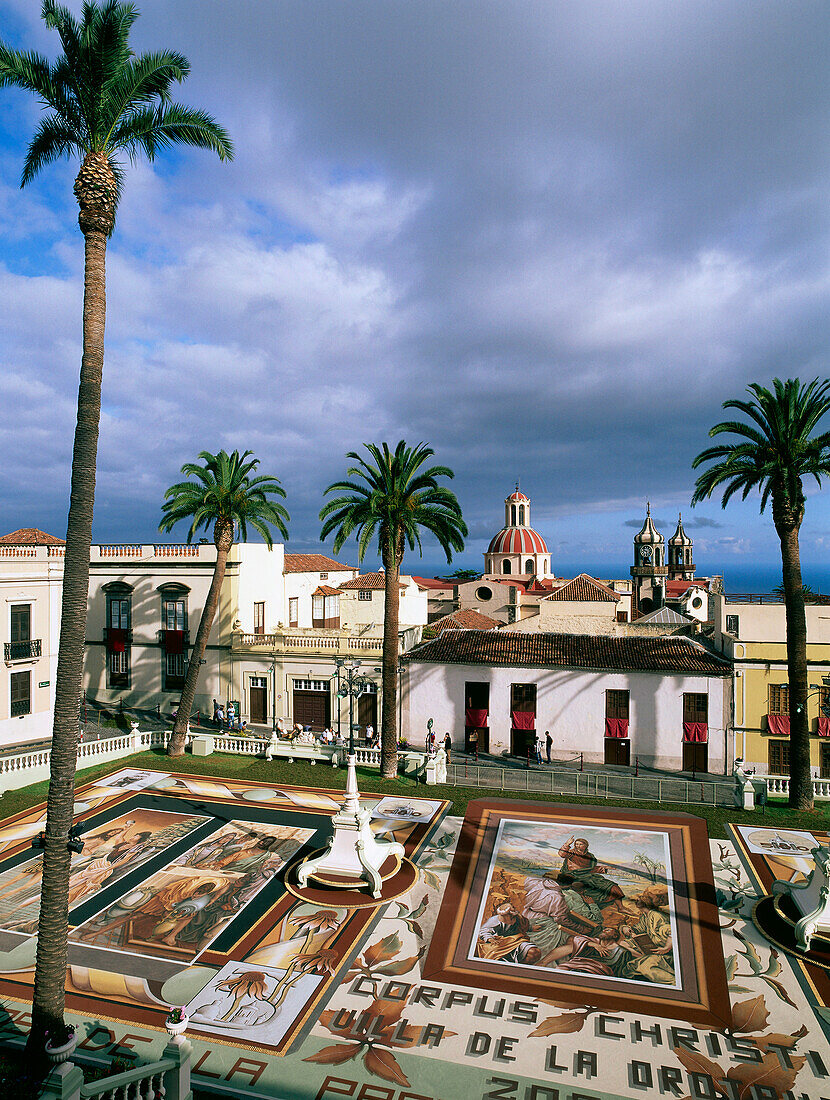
x=30, y=536
x=313, y=563
x=494, y=647
x=583, y=589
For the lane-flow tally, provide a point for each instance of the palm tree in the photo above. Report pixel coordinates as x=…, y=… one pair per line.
x=773, y=454
x=225, y=496
x=100, y=99
x=395, y=498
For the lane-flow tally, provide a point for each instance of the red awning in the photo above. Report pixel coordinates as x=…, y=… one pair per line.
x=174, y=641
x=823, y=726
x=116, y=640
x=779, y=724
x=616, y=727
x=523, y=719
x=696, y=731
x=475, y=718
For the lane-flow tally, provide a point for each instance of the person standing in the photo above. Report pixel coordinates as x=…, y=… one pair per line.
x=538, y=750
x=548, y=744
x=447, y=745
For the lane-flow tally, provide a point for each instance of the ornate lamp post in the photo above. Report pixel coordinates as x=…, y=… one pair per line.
x=354, y=855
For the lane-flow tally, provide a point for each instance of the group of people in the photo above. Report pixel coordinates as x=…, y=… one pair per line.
x=578, y=919
x=545, y=746
x=229, y=721
x=433, y=741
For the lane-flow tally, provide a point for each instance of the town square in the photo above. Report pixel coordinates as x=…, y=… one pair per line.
x=415, y=429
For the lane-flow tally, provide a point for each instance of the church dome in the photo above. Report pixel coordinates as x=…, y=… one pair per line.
x=649, y=535
x=517, y=540
x=680, y=538
x=517, y=496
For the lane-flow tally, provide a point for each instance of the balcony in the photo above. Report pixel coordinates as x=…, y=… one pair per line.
x=329, y=642
x=22, y=651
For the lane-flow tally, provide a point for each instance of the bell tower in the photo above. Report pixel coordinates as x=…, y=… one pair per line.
x=649, y=571
x=681, y=565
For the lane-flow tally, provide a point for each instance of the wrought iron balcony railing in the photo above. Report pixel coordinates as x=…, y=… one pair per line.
x=22, y=651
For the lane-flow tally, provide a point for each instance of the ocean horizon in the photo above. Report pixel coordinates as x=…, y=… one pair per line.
x=737, y=576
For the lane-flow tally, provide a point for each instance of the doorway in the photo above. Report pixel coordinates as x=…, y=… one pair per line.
x=617, y=750
x=367, y=710
x=695, y=756
x=259, y=700
x=312, y=708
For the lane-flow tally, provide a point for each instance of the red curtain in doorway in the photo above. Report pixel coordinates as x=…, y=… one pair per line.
x=523, y=719
x=475, y=718
x=116, y=640
x=616, y=727
x=174, y=641
x=779, y=724
x=823, y=726
x=696, y=731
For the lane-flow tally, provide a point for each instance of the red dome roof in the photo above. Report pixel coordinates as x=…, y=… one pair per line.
x=518, y=495
x=517, y=540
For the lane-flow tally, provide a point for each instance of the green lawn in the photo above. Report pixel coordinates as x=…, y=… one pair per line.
x=303, y=774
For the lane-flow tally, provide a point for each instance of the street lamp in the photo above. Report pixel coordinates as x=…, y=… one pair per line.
x=354, y=855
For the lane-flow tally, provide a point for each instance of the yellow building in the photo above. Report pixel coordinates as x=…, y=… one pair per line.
x=751, y=631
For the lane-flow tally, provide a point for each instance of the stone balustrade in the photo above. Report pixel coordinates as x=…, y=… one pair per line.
x=779, y=786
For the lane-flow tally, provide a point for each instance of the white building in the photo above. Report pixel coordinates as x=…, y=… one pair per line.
x=664, y=700
x=31, y=579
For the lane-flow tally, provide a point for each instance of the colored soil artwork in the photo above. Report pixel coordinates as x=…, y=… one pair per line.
x=543, y=952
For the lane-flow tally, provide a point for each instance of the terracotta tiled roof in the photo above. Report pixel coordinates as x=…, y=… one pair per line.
x=325, y=590
x=371, y=581
x=30, y=536
x=433, y=582
x=677, y=588
x=517, y=540
x=583, y=589
x=465, y=620
x=313, y=563
x=517, y=650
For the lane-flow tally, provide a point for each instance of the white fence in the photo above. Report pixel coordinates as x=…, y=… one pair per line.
x=778, y=786
x=25, y=768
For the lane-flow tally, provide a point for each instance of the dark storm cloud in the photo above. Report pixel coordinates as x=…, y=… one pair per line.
x=549, y=238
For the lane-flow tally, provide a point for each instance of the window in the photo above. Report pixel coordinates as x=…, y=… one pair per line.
x=311, y=685
x=506, y=567
x=332, y=612
x=21, y=693
x=616, y=703
x=293, y=611
x=324, y=576
x=732, y=624
x=364, y=594
x=779, y=757
x=21, y=622
x=622, y=616
x=174, y=613
x=259, y=618
x=118, y=639
x=175, y=671
x=529, y=565
x=483, y=594
x=523, y=698
x=317, y=611
x=779, y=699
x=174, y=640
x=695, y=706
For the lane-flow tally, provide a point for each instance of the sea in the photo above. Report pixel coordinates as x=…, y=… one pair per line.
x=738, y=576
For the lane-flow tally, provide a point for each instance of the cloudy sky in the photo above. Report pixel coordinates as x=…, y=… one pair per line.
x=549, y=238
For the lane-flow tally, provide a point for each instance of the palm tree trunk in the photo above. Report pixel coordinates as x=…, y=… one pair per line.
x=179, y=735
x=801, y=782
x=391, y=614
x=50, y=968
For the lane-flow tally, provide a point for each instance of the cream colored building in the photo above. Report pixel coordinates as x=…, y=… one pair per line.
x=752, y=633
x=31, y=578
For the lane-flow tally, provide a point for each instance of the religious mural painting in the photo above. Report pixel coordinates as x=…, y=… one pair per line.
x=590, y=906
x=428, y=995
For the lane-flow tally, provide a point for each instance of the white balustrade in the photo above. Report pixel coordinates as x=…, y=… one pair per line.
x=779, y=785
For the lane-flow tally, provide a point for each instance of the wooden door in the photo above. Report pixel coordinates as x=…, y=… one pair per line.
x=312, y=708
x=617, y=750
x=695, y=756
x=259, y=701
x=824, y=761
x=522, y=742
x=367, y=710
x=476, y=739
